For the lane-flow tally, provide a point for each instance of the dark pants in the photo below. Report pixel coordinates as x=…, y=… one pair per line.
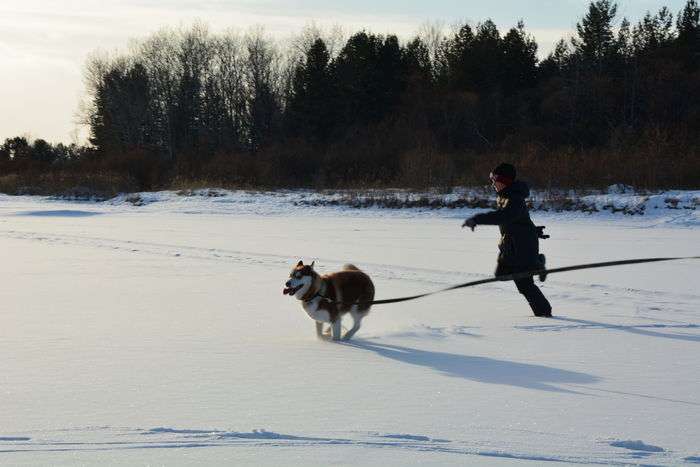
x=534, y=296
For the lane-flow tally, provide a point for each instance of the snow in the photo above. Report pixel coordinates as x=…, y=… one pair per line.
x=156, y=333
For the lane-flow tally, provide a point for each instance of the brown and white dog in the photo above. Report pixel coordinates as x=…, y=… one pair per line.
x=327, y=298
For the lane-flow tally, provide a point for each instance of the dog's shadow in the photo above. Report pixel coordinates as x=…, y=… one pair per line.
x=481, y=369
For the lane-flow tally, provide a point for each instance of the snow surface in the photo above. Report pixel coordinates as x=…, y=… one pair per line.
x=157, y=334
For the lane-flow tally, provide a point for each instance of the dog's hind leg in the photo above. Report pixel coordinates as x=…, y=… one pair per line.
x=319, y=329
x=356, y=323
x=336, y=330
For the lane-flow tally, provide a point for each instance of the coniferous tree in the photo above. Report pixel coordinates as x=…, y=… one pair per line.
x=121, y=118
x=654, y=32
x=416, y=61
x=42, y=151
x=556, y=62
x=310, y=109
x=595, y=43
x=17, y=148
x=457, y=53
x=688, y=41
x=358, y=79
x=519, y=60
x=391, y=75
x=487, y=57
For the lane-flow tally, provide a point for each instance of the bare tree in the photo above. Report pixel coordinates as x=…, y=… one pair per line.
x=159, y=55
x=262, y=80
x=433, y=34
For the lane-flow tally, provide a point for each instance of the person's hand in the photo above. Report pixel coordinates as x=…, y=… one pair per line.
x=471, y=223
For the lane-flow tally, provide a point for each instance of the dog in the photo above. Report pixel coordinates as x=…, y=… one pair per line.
x=327, y=298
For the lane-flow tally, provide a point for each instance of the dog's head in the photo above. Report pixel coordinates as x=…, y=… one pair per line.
x=301, y=279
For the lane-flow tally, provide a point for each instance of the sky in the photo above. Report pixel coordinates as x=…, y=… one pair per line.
x=44, y=43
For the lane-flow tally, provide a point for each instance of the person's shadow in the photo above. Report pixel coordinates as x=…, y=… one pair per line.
x=482, y=369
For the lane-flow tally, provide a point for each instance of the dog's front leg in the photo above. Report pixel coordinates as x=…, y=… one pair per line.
x=319, y=330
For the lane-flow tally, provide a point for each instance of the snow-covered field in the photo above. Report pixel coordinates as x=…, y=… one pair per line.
x=158, y=335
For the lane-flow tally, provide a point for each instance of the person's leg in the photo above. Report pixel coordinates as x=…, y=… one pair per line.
x=534, y=296
x=502, y=269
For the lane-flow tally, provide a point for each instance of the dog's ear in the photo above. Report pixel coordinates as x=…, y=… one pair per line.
x=300, y=263
x=312, y=264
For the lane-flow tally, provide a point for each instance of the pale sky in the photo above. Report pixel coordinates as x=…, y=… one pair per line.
x=44, y=43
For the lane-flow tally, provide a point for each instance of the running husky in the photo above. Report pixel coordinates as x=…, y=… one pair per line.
x=327, y=298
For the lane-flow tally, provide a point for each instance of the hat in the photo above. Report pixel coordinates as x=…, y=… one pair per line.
x=504, y=173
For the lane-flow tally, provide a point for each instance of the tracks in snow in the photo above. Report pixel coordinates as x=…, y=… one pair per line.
x=105, y=438
x=646, y=300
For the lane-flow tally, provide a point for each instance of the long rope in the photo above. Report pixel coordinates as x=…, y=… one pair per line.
x=520, y=275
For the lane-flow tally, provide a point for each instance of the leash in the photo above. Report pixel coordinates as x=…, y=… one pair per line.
x=519, y=275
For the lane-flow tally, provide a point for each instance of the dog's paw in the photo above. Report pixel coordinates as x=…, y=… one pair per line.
x=326, y=336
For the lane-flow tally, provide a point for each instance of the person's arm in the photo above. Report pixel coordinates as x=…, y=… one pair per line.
x=512, y=210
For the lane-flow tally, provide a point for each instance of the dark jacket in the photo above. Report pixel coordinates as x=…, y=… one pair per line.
x=519, y=245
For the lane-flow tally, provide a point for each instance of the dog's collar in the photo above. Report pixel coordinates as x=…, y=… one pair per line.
x=308, y=296
x=318, y=293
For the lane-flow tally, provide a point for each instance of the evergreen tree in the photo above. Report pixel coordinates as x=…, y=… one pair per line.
x=625, y=41
x=487, y=66
x=688, y=42
x=121, y=118
x=358, y=79
x=390, y=73
x=17, y=148
x=519, y=60
x=556, y=62
x=457, y=53
x=42, y=151
x=654, y=32
x=309, y=113
x=416, y=60
x=595, y=43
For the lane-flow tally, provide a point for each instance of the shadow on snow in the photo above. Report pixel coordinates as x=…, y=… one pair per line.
x=482, y=369
x=59, y=213
x=640, y=329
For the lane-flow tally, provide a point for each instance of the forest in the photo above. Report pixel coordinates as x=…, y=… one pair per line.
x=616, y=103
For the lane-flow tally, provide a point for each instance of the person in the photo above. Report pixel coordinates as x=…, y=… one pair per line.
x=519, y=245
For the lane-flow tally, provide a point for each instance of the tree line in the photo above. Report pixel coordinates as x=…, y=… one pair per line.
x=615, y=103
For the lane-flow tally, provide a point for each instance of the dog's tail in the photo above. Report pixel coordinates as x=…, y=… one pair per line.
x=350, y=267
